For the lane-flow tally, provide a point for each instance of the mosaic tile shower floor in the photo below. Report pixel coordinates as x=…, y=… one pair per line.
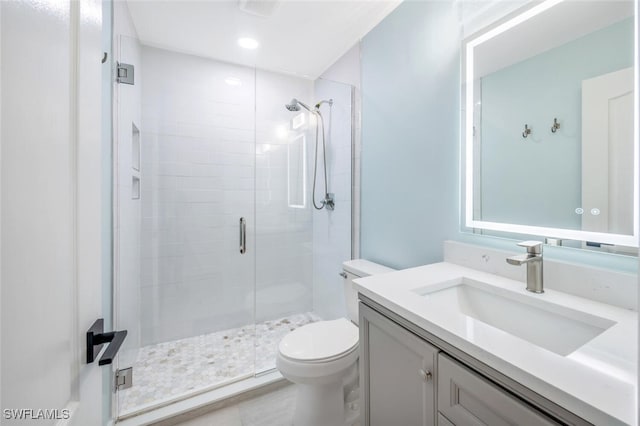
x=170, y=370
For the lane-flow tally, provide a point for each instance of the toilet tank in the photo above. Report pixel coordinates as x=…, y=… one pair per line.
x=354, y=269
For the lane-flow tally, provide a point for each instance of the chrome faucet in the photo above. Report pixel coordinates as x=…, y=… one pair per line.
x=533, y=259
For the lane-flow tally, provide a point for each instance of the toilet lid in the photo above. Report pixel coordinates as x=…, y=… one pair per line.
x=320, y=340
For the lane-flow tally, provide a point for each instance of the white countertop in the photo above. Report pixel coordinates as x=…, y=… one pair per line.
x=596, y=382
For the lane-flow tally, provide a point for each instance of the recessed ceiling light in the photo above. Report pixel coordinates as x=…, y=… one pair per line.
x=233, y=81
x=248, y=43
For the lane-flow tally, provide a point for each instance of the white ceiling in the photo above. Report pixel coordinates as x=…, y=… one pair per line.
x=301, y=37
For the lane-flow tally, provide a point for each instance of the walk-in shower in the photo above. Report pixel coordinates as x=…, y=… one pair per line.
x=192, y=157
x=328, y=200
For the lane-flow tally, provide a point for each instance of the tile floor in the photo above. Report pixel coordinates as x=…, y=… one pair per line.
x=272, y=409
x=171, y=370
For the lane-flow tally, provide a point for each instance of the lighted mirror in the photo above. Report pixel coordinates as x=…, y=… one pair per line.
x=550, y=134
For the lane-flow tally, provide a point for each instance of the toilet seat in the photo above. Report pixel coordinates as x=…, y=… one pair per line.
x=322, y=341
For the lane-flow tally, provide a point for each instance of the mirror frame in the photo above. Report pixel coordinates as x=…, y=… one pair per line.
x=468, y=73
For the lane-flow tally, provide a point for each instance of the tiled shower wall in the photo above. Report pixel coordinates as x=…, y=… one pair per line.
x=201, y=164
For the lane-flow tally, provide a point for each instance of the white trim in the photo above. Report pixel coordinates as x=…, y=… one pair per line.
x=625, y=240
x=74, y=146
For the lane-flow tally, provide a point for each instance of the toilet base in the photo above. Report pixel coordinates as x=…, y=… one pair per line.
x=319, y=405
x=327, y=393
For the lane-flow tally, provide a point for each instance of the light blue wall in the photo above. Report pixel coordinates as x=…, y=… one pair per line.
x=410, y=138
x=410, y=134
x=535, y=91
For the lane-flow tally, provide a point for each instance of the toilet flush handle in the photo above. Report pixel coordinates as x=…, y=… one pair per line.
x=343, y=274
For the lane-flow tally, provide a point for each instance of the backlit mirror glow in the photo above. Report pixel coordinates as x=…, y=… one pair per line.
x=551, y=133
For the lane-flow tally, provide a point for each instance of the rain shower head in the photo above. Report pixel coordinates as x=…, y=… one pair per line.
x=295, y=105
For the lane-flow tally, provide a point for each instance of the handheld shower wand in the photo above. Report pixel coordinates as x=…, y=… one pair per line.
x=328, y=200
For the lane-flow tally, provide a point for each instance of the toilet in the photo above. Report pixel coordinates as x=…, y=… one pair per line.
x=321, y=358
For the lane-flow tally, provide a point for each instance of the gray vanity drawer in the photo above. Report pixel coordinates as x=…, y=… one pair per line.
x=466, y=399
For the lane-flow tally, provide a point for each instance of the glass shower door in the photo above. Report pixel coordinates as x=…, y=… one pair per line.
x=186, y=185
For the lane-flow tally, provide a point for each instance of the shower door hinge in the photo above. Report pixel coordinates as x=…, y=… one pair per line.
x=124, y=378
x=124, y=73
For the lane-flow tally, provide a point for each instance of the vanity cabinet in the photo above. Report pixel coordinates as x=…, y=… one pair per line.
x=406, y=380
x=399, y=375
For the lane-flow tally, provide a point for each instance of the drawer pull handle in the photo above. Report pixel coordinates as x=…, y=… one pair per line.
x=426, y=375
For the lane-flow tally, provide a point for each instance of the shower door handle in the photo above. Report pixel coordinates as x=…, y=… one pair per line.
x=96, y=337
x=243, y=235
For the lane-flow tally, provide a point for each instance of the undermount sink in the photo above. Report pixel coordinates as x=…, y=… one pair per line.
x=556, y=328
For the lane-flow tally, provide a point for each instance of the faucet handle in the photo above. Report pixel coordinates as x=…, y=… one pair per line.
x=532, y=246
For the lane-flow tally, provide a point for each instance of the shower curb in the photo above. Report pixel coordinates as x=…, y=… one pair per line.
x=198, y=405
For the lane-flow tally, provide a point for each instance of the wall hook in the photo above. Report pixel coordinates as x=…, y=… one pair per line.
x=527, y=131
x=555, y=126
